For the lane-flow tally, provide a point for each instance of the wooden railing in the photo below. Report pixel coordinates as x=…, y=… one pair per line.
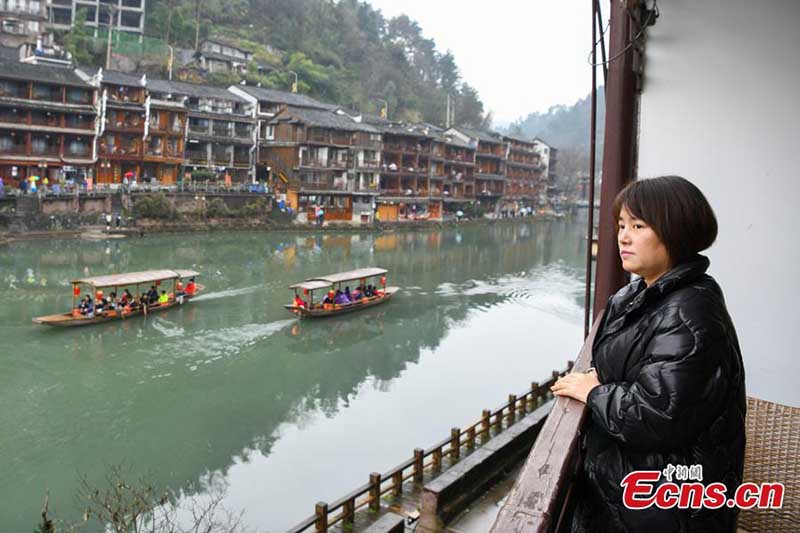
x=541, y=499
x=491, y=422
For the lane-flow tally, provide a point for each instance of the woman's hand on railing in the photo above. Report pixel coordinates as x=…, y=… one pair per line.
x=576, y=385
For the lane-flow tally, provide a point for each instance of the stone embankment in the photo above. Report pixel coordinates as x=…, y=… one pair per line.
x=139, y=214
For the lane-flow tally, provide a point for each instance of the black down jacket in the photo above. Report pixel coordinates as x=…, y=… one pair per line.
x=672, y=392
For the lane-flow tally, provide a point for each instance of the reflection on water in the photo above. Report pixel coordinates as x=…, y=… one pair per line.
x=233, y=389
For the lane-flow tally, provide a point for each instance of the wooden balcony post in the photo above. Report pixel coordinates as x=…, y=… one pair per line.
x=419, y=457
x=485, y=423
x=374, y=491
x=471, y=437
x=455, y=444
x=321, y=523
x=512, y=408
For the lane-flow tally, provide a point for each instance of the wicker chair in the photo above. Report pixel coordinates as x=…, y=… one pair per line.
x=772, y=455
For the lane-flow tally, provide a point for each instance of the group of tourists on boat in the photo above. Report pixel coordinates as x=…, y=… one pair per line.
x=339, y=297
x=126, y=303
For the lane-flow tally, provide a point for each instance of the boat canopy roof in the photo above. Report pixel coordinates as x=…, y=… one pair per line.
x=326, y=281
x=135, y=278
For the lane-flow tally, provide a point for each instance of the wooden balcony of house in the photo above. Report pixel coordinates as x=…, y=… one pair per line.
x=243, y=131
x=82, y=152
x=241, y=161
x=123, y=126
x=125, y=95
x=488, y=153
x=197, y=157
x=368, y=164
x=222, y=130
x=45, y=151
x=402, y=148
x=13, y=150
x=222, y=158
x=325, y=185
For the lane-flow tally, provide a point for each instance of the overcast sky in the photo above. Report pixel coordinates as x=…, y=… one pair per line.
x=521, y=55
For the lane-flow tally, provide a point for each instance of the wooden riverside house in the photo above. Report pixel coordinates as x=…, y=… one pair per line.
x=407, y=188
x=220, y=138
x=121, y=134
x=264, y=106
x=523, y=170
x=490, y=164
x=47, y=122
x=324, y=158
x=141, y=134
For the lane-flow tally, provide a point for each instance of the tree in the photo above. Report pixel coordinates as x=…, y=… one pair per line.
x=78, y=42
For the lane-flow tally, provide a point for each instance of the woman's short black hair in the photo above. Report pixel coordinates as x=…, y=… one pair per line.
x=677, y=211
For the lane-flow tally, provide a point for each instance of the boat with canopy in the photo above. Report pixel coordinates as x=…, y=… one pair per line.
x=334, y=303
x=167, y=281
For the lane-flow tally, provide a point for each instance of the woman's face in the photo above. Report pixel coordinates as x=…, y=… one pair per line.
x=641, y=250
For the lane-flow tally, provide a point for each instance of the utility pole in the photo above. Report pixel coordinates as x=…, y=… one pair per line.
x=112, y=15
x=197, y=26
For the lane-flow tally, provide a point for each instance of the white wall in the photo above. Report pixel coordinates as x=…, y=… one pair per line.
x=721, y=107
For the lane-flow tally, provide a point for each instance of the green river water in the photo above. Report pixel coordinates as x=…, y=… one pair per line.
x=233, y=393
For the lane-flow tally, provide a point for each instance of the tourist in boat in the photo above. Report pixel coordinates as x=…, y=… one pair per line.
x=112, y=301
x=163, y=299
x=152, y=295
x=86, y=306
x=669, y=386
x=348, y=295
x=299, y=302
x=191, y=288
x=127, y=297
x=357, y=294
x=328, y=298
x=340, y=298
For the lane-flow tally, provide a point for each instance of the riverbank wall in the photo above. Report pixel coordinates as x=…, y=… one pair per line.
x=73, y=216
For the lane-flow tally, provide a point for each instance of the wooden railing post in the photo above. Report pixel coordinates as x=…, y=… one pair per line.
x=349, y=511
x=498, y=421
x=570, y=365
x=397, y=483
x=419, y=465
x=471, y=437
x=455, y=444
x=374, y=491
x=512, y=408
x=485, y=423
x=523, y=404
x=321, y=524
x=437, y=458
x=536, y=395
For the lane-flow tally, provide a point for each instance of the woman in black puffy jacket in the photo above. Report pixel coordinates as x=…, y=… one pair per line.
x=667, y=386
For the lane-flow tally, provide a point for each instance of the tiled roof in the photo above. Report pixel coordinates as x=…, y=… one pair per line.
x=326, y=119
x=121, y=78
x=518, y=138
x=9, y=53
x=42, y=73
x=192, y=89
x=484, y=136
x=283, y=97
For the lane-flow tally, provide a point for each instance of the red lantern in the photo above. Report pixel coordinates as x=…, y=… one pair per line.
x=305, y=292
x=383, y=280
x=158, y=283
x=76, y=290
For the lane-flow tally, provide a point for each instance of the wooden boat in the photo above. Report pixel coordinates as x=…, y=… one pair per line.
x=117, y=282
x=333, y=282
